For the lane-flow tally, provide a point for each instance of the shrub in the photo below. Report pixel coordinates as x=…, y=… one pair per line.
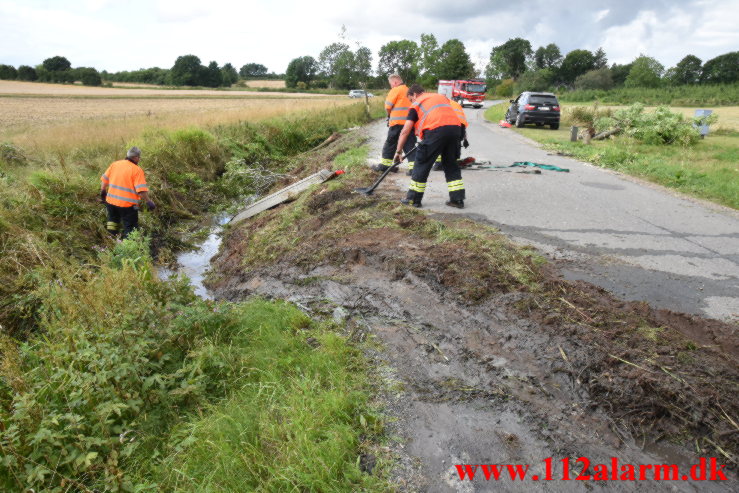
x=595, y=79
x=661, y=127
x=505, y=88
x=8, y=72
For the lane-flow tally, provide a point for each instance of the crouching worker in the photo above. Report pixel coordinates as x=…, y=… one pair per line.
x=437, y=124
x=123, y=187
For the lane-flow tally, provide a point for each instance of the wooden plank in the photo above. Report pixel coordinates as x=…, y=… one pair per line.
x=288, y=193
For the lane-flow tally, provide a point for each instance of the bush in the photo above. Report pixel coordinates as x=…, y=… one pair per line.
x=27, y=73
x=661, y=127
x=505, y=88
x=8, y=72
x=595, y=79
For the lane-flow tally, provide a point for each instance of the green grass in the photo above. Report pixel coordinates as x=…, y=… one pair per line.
x=296, y=423
x=698, y=95
x=707, y=170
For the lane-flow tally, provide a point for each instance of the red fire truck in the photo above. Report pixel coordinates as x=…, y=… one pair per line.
x=471, y=91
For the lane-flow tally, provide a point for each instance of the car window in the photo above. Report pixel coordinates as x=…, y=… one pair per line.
x=536, y=99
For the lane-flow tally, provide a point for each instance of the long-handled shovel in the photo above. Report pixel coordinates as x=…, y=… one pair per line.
x=369, y=190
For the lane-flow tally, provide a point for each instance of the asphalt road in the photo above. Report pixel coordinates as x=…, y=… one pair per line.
x=638, y=240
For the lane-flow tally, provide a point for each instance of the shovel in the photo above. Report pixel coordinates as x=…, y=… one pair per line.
x=370, y=190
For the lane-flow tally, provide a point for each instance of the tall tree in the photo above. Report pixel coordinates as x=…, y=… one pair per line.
x=645, y=72
x=429, y=50
x=344, y=71
x=687, y=71
x=56, y=64
x=212, y=76
x=454, y=62
x=302, y=69
x=186, y=71
x=509, y=59
x=600, y=59
x=619, y=73
x=576, y=63
x=229, y=75
x=548, y=56
x=328, y=57
x=401, y=57
x=363, y=64
x=253, y=70
x=723, y=69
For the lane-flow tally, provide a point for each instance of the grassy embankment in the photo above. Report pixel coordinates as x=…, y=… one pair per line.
x=113, y=380
x=707, y=170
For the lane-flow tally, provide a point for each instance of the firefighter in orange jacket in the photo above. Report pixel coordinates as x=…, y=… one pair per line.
x=437, y=125
x=123, y=187
x=459, y=110
x=396, y=106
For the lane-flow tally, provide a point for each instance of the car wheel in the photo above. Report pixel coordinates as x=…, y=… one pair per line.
x=554, y=126
x=478, y=106
x=520, y=121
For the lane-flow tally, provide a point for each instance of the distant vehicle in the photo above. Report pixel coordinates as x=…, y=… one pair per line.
x=359, y=93
x=540, y=108
x=470, y=91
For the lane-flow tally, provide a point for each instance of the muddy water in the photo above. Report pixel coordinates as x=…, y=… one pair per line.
x=195, y=264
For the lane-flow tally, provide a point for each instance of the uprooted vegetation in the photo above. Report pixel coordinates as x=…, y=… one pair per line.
x=658, y=375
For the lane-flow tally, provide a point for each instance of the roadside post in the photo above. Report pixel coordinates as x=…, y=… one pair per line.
x=573, y=133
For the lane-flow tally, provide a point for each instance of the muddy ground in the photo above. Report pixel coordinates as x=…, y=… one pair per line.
x=485, y=365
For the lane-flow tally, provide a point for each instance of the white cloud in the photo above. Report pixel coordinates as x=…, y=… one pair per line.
x=143, y=33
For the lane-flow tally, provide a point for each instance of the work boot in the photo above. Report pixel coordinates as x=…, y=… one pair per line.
x=381, y=169
x=410, y=202
x=459, y=204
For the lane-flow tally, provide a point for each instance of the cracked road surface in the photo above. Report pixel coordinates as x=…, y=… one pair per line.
x=638, y=240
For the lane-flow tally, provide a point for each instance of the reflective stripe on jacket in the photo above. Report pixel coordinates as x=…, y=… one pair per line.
x=125, y=180
x=460, y=112
x=433, y=111
x=398, y=104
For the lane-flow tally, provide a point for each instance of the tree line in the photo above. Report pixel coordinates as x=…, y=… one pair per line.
x=54, y=69
x=340, y=67
x=186, y=71
x=514, y=66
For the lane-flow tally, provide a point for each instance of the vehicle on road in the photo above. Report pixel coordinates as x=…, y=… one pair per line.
x=470, y=91
x=540, y=108
x=359, y=93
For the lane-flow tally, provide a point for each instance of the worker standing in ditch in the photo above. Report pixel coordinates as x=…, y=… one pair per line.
x=123, y=187
x=437, y=125
x=396, y=106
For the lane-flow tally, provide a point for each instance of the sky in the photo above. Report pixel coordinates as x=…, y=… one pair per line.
x=127, y=35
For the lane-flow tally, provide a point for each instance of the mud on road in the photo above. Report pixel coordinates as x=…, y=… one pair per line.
x=489, y=357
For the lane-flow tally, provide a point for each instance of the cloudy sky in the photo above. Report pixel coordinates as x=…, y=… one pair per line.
x=127, y=35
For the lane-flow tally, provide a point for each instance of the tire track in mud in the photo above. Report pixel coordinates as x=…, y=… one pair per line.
x=469, y=384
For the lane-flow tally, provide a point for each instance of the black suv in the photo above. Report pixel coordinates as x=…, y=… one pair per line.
x=541, y=108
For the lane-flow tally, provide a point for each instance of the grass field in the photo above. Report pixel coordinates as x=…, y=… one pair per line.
x=708, y=170
x=272, y=84
x=12, y=87
x=59, y=122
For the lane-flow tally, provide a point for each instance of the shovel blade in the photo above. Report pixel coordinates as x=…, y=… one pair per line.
x=365, y=191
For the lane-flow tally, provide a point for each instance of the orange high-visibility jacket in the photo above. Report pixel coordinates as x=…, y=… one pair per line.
x=398, y=104
x=433, y=111
x=125, y=180
x=460, y=112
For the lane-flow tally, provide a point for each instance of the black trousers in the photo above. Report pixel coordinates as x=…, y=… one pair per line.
x=128, y=216
x=444, y=142
x=391, y=145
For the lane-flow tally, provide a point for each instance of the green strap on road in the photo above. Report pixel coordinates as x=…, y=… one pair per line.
x=549, y=167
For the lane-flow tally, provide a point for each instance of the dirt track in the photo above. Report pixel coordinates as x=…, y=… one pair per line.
x=499, y=380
